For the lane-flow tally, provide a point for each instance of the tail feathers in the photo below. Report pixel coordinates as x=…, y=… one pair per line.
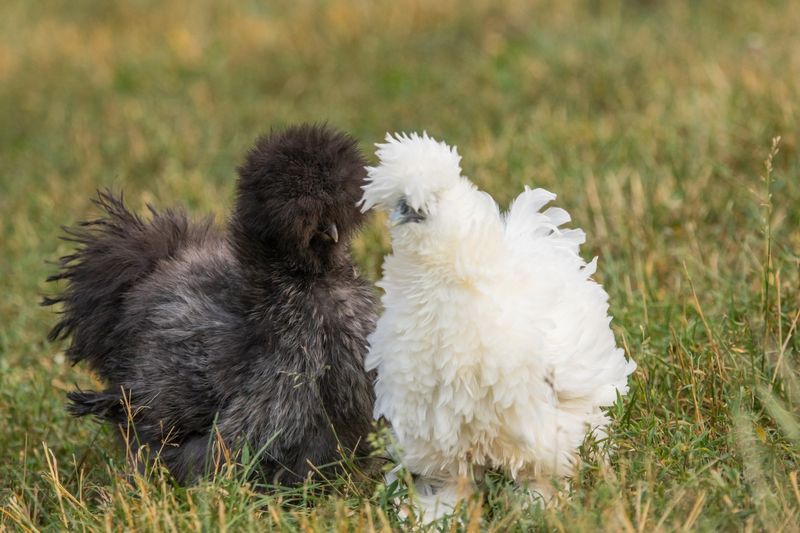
x=527, y=225
x=113, y=252
x=103, y=405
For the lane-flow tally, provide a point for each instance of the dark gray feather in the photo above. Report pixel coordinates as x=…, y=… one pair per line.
x=259, y=329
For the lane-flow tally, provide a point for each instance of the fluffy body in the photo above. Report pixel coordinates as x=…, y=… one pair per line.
x=494, y=349
x=256, y=331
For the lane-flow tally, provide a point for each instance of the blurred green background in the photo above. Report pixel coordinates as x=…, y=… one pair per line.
x=652, y=121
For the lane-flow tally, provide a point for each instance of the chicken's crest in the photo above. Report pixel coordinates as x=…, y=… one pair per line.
x=297, y=195
x=413, y=169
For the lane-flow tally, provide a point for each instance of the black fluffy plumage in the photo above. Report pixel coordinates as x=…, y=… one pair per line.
x=258, y=330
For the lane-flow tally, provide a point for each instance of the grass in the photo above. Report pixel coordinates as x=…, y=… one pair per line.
x=652, y=120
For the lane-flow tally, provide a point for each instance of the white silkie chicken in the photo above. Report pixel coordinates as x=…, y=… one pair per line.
x=494, y=350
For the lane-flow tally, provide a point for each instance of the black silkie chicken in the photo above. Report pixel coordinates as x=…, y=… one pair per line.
x=257, y=332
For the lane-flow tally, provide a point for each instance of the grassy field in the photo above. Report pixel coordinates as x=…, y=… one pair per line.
x=655, y=122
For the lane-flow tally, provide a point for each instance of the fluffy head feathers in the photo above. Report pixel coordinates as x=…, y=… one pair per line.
x=297, y=194
x=438, y=217
x=413, y=168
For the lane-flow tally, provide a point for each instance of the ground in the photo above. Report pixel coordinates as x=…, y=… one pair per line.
x=657, y=123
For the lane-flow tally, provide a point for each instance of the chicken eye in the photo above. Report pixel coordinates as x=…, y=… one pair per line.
x=404, y=213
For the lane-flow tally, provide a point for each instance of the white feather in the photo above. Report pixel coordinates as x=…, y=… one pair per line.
x=412, y=166
x=494, y=349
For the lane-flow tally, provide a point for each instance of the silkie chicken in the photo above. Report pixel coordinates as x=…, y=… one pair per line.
x=494, y=350
x=253, y=335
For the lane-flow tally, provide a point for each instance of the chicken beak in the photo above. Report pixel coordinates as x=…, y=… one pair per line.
x=333, y=232
x=404, y=213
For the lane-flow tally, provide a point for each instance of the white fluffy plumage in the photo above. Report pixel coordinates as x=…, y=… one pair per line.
x=494, y=349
